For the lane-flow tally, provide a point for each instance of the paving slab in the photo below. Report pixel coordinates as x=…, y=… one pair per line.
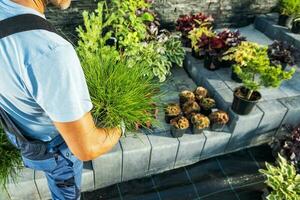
x=190, y=148
x=25, y=187
x=164, y=148
x=243, y=128
x=215, y=144
x=88, y=182
x=195, y=68
x=223, y=98
x=136, y=156
x=3, y=194
x=42, y=185
x=273, y=115
x=108, y=168
x=272, y=94
x=293, y=114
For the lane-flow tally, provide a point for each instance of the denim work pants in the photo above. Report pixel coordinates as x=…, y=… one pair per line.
x=63, y=173
x=62, y=169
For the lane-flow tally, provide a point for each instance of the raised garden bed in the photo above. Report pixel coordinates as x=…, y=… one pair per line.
x=156, y=151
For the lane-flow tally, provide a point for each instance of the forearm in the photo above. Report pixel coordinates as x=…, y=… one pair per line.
x=85, y=140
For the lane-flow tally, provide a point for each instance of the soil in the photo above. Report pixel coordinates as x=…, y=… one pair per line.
x=242, y=93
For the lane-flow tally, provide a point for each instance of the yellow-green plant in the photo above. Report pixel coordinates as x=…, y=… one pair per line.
x=253, y=66
x=290, y=7
x=242, y=53
x=199, y=37
x=127, y=26
x=283, y=179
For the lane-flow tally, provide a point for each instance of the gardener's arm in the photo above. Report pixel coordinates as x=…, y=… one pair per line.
x=85, y=140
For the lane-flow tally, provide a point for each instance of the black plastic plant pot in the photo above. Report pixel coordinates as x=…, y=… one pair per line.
x=235, y=77
x=296, y=26
x=169, y=118
x=282, y=20
x=209, y=64
x=286, y=21
x=222, y=63
x=186, y=42
x=197, y=55
x=205, y=111
x=242, y=106
x=217, y=127
x=177, y=133
x=196, y=130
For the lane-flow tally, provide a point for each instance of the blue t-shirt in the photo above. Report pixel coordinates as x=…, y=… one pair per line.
x=41, y=78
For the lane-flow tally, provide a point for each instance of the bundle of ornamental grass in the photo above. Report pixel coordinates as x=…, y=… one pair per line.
x=119, y=90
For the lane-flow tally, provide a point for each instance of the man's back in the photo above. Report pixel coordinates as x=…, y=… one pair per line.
x=35, y=71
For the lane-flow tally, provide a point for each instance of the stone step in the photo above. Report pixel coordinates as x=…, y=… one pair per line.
x=267, y=24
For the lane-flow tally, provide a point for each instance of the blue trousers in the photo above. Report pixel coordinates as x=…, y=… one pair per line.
x=63, y=173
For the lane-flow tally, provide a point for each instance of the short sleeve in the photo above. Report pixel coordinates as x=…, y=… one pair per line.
x=57, y=83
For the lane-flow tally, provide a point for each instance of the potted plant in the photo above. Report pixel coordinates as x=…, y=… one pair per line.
x=200, y=123
x=214, y=48
x=218, y=120
x=281, y=53
x=296, y=25
x=231, y=39
x=186, y=96
x=207, y=104
x=239, y=55
x=282, y=180
x=179, y=125
x=200, y=38
x=255, y=70
x=186, y=23
x=190, y=107
x=288, y=145
x=288, y=10
x=200, y=93
x=172, y=111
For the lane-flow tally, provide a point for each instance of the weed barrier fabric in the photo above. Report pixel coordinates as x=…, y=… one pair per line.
x=230, y=177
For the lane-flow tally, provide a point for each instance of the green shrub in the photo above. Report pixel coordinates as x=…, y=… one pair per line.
x=174, y=50
x=290, y=7
x=105, y=22
x=159, y=55
x=253, y=66
x=10, y=160
x=127, y=26
x=283, y=179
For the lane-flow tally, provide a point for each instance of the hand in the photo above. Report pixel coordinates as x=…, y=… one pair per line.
x=122, y=127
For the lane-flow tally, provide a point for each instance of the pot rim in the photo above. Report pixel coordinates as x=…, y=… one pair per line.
x=234, y=93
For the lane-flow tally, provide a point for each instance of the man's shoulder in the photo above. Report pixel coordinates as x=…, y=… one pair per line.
x=37, y=43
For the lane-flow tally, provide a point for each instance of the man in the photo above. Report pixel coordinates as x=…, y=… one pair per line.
x=44, y=92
